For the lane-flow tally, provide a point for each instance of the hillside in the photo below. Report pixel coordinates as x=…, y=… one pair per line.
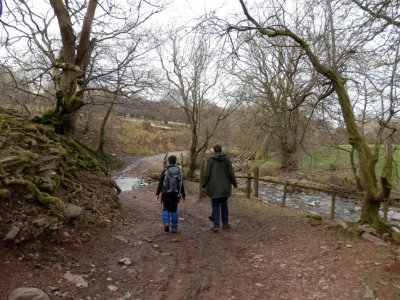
x=135, y=137
x=50, y=186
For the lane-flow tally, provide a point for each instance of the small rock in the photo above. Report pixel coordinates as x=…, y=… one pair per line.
x=12, y=234
x=72, y=211
x=325, y=287
x=112, y=288
x=120, y=238
x=369, y=294
x=125, y=261
x=373, y=239
x=368, y=229
x=344, y=225
x=42, y=222
x=349, y=246
x=57, y=267
x=28, y=293
x=259, y=284
x=126, y=296
x=76, y=279
x=53, y=289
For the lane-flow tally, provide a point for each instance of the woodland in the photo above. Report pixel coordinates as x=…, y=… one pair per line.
x=288, y=86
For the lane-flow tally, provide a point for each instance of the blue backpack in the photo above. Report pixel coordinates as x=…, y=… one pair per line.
x=172, y=181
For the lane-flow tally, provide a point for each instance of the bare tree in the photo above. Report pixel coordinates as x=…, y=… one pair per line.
x=374, y=194
x=131, y=78
x=388, y=12
x=279, y=84
x=192, y=66
x=65, y=60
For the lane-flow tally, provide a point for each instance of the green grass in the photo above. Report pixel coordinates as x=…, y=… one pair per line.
x=323, y=162
x=324, y=158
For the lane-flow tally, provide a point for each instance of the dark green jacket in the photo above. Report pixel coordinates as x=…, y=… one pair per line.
x=219, y=176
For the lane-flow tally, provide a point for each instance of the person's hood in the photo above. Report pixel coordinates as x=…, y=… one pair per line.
x=219, y=157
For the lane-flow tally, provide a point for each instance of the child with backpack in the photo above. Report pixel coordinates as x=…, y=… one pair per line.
x=172, y=190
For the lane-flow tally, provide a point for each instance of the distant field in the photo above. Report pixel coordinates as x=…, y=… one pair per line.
x=323, y=162
x=327, y=158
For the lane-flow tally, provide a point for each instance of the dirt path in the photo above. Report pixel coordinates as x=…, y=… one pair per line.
x=269, y=253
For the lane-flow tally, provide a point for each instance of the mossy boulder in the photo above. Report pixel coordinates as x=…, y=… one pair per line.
x=43, y=173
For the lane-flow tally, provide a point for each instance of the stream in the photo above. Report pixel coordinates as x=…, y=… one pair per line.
x=314, y=202
x=320, y=203
x=129, y=183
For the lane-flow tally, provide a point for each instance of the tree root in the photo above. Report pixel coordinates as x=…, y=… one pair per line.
x=43, y=198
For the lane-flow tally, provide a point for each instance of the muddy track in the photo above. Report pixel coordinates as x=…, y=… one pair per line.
x=269, y=253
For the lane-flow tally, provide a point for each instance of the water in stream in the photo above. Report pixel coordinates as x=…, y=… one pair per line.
x=317, y=202
x=129, y=183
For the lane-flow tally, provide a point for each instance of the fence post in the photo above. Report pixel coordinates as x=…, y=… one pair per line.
x=386, y=209
x=255, y=184
x=284, y=194
x=165, y=160
x=201, y=190
x=333, y=204
x=248, y=189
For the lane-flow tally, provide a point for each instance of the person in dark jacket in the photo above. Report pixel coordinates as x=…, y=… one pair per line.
x=218, y=180
x=170, y=199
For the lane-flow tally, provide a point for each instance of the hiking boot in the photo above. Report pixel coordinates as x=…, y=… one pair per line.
x=166, y=228
x=215, y=229
x=211, y=218
x=226, y=226
x=174, y=230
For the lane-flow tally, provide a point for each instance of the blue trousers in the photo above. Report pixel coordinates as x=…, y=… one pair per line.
x=220, y=210
x=170, y=211
x=170, y=218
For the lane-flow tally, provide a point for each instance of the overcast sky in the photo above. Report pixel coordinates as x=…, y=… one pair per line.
x=181, y=11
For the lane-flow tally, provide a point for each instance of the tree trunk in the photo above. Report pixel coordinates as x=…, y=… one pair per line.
x=370, y=210
x=192, y=155
x=354, y=169
x=261, y=152
x=288, y=161
x=100, y=147
x=73, y=62
x=371, y=203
